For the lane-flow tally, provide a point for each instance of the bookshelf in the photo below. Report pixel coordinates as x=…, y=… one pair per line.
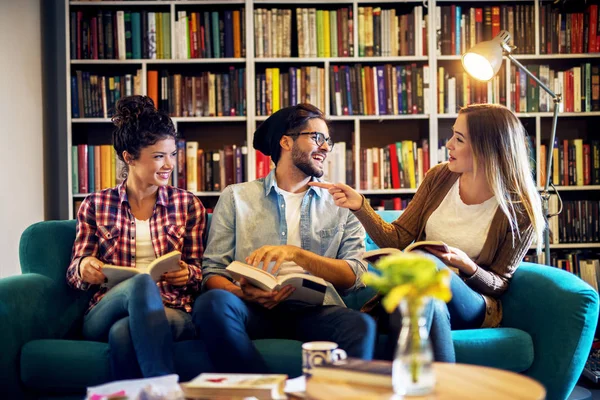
x=359, y=131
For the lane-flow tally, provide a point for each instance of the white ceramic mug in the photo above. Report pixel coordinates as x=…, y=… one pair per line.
x=318, y=353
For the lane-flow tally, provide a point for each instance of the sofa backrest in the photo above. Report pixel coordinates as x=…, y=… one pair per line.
x=387, y=216
x=45, y=248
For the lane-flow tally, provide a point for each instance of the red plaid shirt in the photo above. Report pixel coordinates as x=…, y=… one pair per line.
x=106, y=230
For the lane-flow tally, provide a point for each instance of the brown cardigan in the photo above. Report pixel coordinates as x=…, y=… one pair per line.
x=498, y=259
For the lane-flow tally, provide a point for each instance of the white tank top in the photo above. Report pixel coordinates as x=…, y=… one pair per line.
x=293, y=207
x=144, y=252
x=460, y=225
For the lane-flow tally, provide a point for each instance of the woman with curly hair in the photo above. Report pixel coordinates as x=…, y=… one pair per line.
x=130, y=225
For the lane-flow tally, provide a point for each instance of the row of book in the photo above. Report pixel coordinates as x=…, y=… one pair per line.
x=210, y=34
x=569, y=33
x=204, y=95
x=399, y=165
x=460, y=28
x=95, y=96
x=394, y=203
x=379, y=89
x=126, y=34
x=578, y=221
x=210, y=170
x=388, y=33
x=323, y=33
x=575, y=162
x=276, y=89
x=458, y=89
x=94, y=168
x=579, y=85
x=120, y=35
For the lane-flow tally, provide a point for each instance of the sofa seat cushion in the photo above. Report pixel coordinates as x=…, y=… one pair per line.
x=52, y=365
x=283, y=356
x=505, y=348
x=66, y=366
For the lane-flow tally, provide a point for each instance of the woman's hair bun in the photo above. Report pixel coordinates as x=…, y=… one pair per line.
x=129, y=109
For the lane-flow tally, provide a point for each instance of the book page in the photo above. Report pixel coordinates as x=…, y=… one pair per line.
x=435, y=244
x=256, y=276
x=165, y=263
x=116, y=274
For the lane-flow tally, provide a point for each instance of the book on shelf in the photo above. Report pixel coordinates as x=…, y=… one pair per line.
x=226, y=386
x=373, y=256
x=309, y=288
x=356, y=370
x=165, y=263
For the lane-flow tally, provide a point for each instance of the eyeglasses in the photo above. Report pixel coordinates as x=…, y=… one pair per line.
x=318, y=137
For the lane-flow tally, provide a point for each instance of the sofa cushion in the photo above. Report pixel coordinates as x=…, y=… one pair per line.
x=505, y=348
x=52, y=365
x=283, y=356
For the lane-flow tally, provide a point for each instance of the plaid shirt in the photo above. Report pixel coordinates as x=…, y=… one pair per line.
x=106, y=230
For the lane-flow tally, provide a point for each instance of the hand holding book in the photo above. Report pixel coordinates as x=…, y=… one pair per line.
x=456, y=258
x=267, y=299
x=90, y=270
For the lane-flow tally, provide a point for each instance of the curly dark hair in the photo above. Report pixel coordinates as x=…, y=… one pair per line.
x=138, y=125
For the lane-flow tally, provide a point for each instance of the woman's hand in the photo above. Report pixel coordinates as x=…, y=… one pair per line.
x=178, y=278
x=266, y=254
x=343, y=195
x=263, y=297
x=455, y=258
x=90, y=271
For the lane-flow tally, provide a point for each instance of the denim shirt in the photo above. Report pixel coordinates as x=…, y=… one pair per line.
x=252, y=214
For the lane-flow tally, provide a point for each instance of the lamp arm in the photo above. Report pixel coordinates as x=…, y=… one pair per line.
x=545, y=195
x=532, y=76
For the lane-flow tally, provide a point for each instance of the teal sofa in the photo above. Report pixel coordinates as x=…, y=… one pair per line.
x=549, y=322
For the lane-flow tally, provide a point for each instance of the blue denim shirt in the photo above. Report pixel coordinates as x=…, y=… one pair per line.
x=252, y=214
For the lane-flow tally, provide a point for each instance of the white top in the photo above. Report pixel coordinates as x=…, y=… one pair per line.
x=293, y=205
x=460, y=225
x=144, y=252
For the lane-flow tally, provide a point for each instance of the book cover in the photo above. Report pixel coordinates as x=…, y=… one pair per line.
x=262, y=386
x=355, y=370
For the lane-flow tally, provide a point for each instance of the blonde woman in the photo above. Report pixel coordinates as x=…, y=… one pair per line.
x=483, y=203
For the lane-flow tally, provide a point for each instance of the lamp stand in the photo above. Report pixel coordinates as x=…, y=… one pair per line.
x=557, y=98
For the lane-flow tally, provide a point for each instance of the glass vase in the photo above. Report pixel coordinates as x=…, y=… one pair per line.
x=412, y=370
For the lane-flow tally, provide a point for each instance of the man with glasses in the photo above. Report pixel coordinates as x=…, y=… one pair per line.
x=282, y=224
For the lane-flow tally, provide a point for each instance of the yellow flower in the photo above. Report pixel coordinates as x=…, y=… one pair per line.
x=408, y=275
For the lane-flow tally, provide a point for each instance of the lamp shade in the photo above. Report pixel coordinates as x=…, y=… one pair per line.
x=484, y=60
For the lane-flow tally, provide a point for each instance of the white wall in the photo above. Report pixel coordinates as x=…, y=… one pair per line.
x=21, y=134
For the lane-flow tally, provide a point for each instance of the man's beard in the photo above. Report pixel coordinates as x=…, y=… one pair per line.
x=304, y=162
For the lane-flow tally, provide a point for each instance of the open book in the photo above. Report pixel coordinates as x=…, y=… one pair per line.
x=374, y=255
x=309, y=289
x=165, y=263
x=221, y=386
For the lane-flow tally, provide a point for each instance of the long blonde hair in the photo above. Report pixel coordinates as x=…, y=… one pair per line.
x=499, y=142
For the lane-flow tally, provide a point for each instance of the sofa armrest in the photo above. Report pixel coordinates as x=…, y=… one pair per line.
x=560, y=312
x=32, y=306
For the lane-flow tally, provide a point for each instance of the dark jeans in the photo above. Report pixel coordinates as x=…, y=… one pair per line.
x=228, y=325
x=466, y=310
x=124, y=363
x=135, y=303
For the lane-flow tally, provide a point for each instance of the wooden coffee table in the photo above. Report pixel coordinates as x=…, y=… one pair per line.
x=454, y=381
